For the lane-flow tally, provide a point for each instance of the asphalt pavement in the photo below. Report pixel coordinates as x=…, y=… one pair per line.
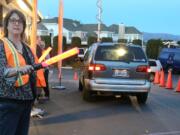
x=67, y=114
x=53, y=106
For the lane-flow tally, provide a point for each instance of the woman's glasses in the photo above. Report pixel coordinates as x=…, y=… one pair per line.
x=15, y=21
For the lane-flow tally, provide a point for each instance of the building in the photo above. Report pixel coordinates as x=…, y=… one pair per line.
x=42, y=30
x=73, y=28
x=125, y=32
x=25, y=6
x=52, y=25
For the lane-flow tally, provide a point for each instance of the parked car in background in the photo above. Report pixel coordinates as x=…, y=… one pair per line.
x=116, y=69
x=170, y=59
x=155, y=65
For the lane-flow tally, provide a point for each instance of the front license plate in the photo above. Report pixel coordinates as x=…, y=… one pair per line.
x=121, y=73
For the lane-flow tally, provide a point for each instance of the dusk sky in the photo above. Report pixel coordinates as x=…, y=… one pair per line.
x=156, y=16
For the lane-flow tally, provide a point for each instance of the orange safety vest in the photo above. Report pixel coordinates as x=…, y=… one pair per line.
x=15, y=59
x=40, y=80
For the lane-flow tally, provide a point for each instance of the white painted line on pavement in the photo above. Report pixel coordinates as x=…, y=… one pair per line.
x=66, y=67
x=165, y=133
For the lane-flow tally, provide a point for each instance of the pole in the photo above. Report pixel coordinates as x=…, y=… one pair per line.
x=60, y=36
x=60, y=42
x=99, y=16
x=34, y=26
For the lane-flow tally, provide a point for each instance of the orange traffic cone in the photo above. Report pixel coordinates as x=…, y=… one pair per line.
x=75, y=76
x=169, y=80
x=178, y=86
x=156, y=78
x=162, y=81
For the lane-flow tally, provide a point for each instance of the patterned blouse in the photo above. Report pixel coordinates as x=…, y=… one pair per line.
x=7, y=88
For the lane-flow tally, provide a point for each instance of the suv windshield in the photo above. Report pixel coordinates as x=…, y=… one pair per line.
x=119, y=53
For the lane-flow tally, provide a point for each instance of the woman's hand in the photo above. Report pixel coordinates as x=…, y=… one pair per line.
x=10, y=72
x=25, y=69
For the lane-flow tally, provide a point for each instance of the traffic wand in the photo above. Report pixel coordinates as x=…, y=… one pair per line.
x=37, y=66
x=45, y=53
x=56, y=58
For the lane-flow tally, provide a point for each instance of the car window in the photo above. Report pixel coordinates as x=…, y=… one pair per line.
x=152, y=63
x=114, y=53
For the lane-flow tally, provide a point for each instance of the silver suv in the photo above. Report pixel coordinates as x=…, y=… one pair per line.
x=111, y=68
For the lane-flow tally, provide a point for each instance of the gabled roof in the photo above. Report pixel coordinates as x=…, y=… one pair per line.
x=128, y=29
x=114, y=28
x=132, y=30
x=69, y=24
x=91, y=27
x=50, y=20
x=41, y=26
x=73, y=25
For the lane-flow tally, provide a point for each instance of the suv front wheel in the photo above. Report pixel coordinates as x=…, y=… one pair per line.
x=142, y=97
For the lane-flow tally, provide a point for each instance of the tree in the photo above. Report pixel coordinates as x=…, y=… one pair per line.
x=153, y=48
x=55, y=46
x=106, y=39
x=178, y=42
x=122, y=40
x=137, y=42
x=92, y=40
x=64, y=43
x=76, y=42
x=47, y=40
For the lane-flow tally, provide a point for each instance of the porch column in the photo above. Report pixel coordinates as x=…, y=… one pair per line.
x=1, y=15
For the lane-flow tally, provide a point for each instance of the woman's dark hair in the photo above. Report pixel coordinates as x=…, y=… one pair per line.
x=6, y=21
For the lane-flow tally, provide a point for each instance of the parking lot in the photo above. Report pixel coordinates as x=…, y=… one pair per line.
x=68, y=114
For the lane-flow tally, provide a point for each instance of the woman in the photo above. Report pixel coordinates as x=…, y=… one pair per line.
x=17, y=79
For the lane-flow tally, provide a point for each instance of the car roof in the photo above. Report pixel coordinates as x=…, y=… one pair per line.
x=153, y=60
x=170, y=50
x=112, y=44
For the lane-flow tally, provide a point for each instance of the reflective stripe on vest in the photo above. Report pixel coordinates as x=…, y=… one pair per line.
x=18, y=60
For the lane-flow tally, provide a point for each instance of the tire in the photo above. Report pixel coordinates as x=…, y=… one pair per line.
x=142, y=97
x=80, y=88
x=87, y=95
